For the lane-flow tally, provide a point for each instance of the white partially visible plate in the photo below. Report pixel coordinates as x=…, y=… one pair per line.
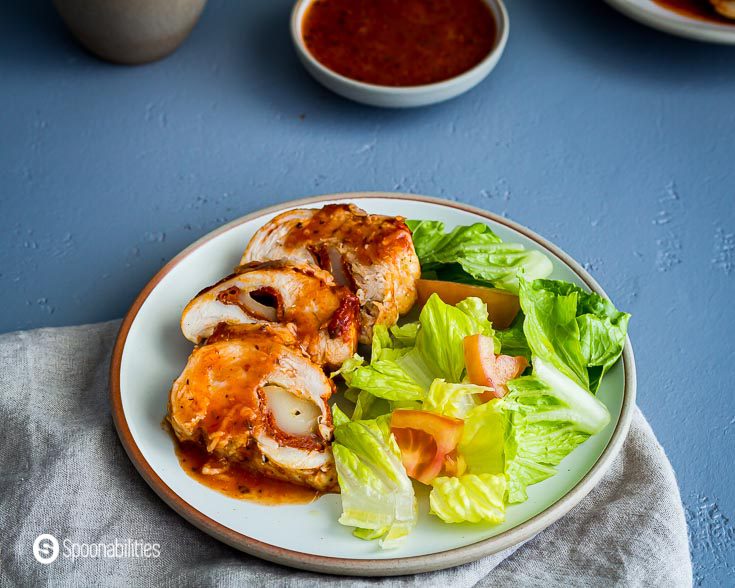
x=659, y=17
x=150, y=352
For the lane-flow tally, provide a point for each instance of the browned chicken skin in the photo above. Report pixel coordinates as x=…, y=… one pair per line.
x=325, y=315
x=251, y=396
x=371, y=254
x=725, y=7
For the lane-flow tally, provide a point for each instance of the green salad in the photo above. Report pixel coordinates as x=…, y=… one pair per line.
x=477, y=414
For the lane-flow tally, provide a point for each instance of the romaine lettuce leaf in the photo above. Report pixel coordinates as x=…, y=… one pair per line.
x=405, y=335
x=384, y=346
x=549, y=415
x=454, y=400
x=469, y=498
x=580, y=333
x=443, y=329
x=551, y=328
x=377, y=495
x=479, y=252
x=575, y=337
x=483, y=438
x=384, y=377
x=348, y=367
x=602, y=332
x=513, y=340
x=368, y=406
x=338, y=416
x=476, y=309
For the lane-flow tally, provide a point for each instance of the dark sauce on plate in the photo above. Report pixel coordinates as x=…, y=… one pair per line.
x=238, y=482
x=399, y=42
x=699, y=9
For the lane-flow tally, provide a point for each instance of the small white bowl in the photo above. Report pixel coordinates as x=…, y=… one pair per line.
x=400, y=96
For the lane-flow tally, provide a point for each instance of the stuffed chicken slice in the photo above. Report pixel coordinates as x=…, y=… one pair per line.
x=251, y=397
x=324, y=314
x=371, y=254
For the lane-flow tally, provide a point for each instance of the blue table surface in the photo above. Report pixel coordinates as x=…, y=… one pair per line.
x=613, y=140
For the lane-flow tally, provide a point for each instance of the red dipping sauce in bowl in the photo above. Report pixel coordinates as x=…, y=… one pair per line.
x=399, y=43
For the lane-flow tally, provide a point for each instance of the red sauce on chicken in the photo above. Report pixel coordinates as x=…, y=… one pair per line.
x=399, y=42
x=699, y=9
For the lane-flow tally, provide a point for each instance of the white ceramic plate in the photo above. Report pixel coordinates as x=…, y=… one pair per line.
x=659, y=17
x=150, y=353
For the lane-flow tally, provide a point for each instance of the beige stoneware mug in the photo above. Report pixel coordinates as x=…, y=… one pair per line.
x=130, y=31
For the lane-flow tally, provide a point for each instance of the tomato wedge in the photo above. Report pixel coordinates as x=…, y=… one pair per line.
x=484, y=368
x=425, y=439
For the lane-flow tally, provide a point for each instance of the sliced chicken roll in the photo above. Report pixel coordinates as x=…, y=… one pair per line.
x=251, y=396
x=326, y=316
x=371, y=254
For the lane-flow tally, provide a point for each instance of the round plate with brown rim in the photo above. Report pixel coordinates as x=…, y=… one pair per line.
x=692, y=19
x=150, y=352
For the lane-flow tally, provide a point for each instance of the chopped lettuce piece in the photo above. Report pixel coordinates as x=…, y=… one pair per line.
x=571, y=402
x=348, y=367
x=339, y=417
x=428, y=237
x=383, y=346
x=376, y=493
x=405, y=335
x=549, y=415
x=602, y=332
x=391, y=353
x=580, y=333
x=469, y=498
x=483, y=438
x=551, y=329
x=415, y=366
x=443, y=329
x=370, y=534
x=513, y=340
x=479, y=252
x=476, y=309
x=384, y=378
x=454, y=400
x=368, y=406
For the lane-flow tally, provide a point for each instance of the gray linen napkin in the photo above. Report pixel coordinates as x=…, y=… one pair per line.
x=64, y=472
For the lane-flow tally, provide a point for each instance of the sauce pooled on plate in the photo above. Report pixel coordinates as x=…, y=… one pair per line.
x=239, y=482
x=399, y=42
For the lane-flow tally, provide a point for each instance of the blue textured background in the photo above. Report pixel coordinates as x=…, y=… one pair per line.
x=615, y=141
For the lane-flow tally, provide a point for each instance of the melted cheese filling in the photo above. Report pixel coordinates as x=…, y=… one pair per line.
x=292, y=415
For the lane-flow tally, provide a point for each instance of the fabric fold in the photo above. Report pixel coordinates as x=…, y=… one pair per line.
x=66, y=473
